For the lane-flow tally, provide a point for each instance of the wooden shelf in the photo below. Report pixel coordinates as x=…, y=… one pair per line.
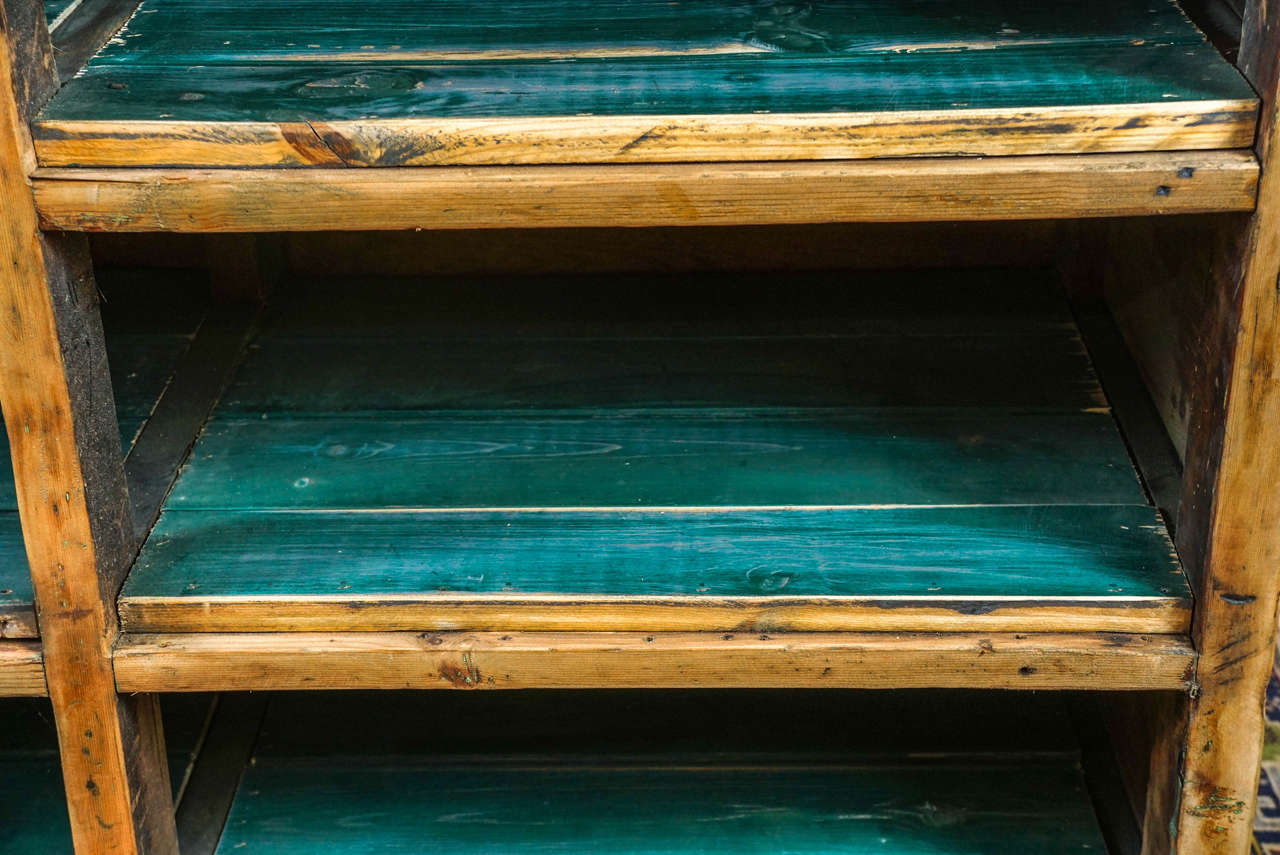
x=197, y=83
x=902, y=190
x=429, y=458
x=242, y=661
x=308, y=785
x=144, y=346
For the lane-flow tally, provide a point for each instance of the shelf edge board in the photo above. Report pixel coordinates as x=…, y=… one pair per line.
x=891, y=190
x=417, y=660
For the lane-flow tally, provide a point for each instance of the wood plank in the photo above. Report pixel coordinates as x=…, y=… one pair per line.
x=194, y=84
x=909, y=190
x=534, y=804
x=414, y=660
x=215, y=777
x=692, y=458
x=1030, y=568
x=21, y=671
x=72, y=498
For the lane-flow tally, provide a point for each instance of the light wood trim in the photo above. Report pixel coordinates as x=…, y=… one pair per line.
x=21, y=670
x=58, y=408
x=911, y=190
x=1168, y=126
x=411, y=660
x=569, y=613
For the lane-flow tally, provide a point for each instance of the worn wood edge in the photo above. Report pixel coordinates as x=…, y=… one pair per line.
x=910, y=190
x=22, y=670
x=423, y=660
x=551, y=613
x=1166, y=126
x=19, y=621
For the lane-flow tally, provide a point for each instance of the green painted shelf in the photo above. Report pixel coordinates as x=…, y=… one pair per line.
x=144, y=346
x=535, y=455
x=199, y=83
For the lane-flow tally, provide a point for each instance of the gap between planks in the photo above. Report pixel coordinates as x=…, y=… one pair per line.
x=901, y=190
x=424, y=660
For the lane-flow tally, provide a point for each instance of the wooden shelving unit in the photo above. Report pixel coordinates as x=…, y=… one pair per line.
x=914, y=481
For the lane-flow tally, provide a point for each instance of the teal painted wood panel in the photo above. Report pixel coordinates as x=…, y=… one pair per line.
x=624, y=459
x=204, y=60
x=54, y=8
x=1035, y=76
x=958, y=807
x=33, y=806
x=1065, y=551
x=204, y=32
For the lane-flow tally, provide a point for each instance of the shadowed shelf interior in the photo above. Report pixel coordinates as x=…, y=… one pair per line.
x=778, y=452
x=408, y=83
x=33, y=808
x=553, y=771
x=149, y=330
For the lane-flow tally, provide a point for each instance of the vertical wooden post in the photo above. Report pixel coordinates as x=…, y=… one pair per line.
x=72, y=497
x=1229, y=532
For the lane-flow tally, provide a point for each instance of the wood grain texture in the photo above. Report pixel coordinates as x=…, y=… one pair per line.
x=1232, y=492
x=1030, y=568
x=682, y=458
x=74, y=506
x=576, y=82
x=413, y=660
x=83, y=29
x=21, y=670
x=912, y=190
x=663, y=804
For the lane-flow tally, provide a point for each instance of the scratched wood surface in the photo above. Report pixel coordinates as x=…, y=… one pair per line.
x=144, y=345
x=198, y=83
x=512, y=464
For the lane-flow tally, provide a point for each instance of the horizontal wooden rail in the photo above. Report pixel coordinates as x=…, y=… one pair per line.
x=900, y=190
x=408, y=660
x=21, y=670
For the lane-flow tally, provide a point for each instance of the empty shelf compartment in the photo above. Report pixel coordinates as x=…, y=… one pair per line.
x=523, y=784
x=843, y=452
x=408, y=83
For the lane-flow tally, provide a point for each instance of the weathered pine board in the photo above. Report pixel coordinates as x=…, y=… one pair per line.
x=688, y=458
x=198, y=83
x=662, y=805
x=658, y=194
x=1106, y=567
x=314, y=661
